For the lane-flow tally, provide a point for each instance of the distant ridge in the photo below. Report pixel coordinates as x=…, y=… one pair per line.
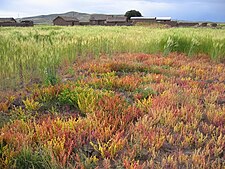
x=47, y=19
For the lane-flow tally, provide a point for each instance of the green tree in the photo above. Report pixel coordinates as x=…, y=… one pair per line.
x=132, y=13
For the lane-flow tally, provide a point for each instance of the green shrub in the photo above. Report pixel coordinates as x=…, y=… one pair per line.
x=28, y=159
x=146, y=92
x=51, y=77
x=84, y=98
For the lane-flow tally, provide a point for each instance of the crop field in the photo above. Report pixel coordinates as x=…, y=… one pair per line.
x=112, y=97
x=31, y=54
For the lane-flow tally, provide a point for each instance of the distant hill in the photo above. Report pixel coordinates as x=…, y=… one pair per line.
x=47, y=19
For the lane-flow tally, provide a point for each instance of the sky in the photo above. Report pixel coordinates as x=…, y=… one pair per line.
x=191, y=10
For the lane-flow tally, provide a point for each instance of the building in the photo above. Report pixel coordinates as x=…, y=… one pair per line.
x=12, y=22
x=204, y=24
x=135, y=20
x=7, y=22
x=116, y=20
x=84, y=23
x=98, y=19
x=163, y=19
x=213, y=25
x=27, y=23
x=65, y=21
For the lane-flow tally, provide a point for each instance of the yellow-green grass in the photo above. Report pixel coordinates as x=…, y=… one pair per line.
x=30, y=54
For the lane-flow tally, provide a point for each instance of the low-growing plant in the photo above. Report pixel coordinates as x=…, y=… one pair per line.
x=84, y=98
x=6, y=154
x=141, y=93
x=21, y=114
x=31, y=105
x=111, y=147
x=138, y=118
x=89, y=162
x=145, y=103
x=29, y=159
x=51, y=77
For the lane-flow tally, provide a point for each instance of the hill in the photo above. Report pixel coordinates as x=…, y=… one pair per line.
x=47, y=19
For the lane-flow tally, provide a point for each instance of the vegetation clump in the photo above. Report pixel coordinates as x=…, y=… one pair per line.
x=34, y=55
x=132, y=13
x=124, y=111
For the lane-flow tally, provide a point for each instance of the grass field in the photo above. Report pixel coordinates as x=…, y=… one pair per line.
x=29, y=54
x=112, y=97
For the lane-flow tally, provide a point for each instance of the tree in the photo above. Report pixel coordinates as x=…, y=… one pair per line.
x=132, y=13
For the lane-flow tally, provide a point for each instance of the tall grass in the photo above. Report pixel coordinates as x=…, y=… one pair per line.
x=30, y=53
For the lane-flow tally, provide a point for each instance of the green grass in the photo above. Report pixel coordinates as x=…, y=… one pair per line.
x=27, y=54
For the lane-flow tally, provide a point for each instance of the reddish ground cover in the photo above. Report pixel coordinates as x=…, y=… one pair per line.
x=125, y=111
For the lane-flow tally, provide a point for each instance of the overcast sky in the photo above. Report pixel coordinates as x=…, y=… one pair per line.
x=196, y=10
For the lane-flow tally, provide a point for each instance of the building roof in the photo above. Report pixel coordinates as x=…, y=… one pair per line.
x=7, y=20
x=163, y=18
x=67, y=19
x=143, y=18
x=98, y=17
x=116, y=19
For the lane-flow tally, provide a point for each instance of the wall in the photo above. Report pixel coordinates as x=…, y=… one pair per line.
x=187, y=24
x=61, y=22
x=17, y=24
x=134, y=21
